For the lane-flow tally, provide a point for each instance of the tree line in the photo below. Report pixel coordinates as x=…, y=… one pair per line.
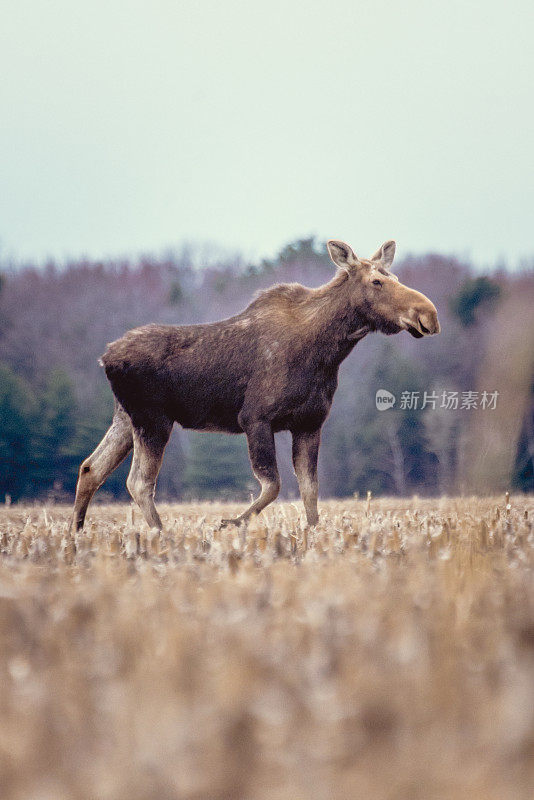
x=55, y=403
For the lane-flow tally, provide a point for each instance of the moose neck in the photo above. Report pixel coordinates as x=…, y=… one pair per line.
x=335, y=324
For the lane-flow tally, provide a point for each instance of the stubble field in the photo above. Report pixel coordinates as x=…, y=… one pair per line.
x=389, y=653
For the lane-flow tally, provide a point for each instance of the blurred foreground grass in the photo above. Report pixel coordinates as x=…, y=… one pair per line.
x=387, y=654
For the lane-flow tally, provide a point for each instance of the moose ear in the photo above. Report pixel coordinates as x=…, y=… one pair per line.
x=341, y=254
x=385, y=254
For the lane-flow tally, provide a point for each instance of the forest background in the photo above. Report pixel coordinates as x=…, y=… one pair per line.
x=463, y=418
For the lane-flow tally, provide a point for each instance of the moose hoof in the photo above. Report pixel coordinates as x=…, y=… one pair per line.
x=226, y=522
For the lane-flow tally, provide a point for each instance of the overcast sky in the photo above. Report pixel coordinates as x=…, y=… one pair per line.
x=132, y=126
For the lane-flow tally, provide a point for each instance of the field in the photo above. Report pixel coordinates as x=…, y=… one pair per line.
x=388, y=654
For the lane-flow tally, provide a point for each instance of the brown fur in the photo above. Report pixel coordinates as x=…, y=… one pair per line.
x=272, y=367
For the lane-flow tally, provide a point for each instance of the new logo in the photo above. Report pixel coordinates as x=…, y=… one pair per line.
x=384, y=399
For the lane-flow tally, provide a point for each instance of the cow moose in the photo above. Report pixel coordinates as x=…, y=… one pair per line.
x=273, y=367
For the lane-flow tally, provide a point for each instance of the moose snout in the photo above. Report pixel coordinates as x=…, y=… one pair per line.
x=421, y=320
x=428, y=322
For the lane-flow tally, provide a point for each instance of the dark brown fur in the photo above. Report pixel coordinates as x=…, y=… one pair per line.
x=272, y=367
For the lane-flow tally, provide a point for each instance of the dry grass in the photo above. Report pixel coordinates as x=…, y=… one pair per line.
x=388, y=655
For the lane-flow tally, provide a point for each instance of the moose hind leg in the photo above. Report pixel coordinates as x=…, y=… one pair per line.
x=113, y=449
x=262, y=454
x=149, y=444
x=305, y=454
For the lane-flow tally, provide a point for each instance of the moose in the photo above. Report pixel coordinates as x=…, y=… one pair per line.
x=273, y=367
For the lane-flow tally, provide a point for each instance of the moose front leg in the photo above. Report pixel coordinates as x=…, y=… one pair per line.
x=262, y=454
x=305, y=454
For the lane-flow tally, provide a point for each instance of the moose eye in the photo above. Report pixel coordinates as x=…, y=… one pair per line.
x=376, y=282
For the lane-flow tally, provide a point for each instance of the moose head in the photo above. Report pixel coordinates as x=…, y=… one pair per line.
x=384, y=304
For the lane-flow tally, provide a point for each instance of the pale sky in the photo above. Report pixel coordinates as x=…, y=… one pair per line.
x=132, y=126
